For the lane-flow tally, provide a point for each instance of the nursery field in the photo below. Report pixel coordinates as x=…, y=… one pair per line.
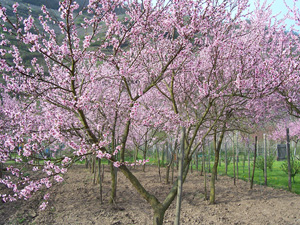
x=276, y=177
x=76, y=201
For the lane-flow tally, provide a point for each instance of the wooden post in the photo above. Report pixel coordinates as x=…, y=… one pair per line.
x=226, y=163
x=254, y=161
x=265, y=159
x=220, y=157
x=249, y=167
x=1, y=169
x=288, y=156
x=204, y=171
x=180, y=181
x=233, y=158
x=100, y=181
x=197, y=165
x=158, y=163
x=209, y=145
x=237, y=156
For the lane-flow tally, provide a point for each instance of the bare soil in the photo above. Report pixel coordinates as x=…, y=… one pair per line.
x=77, y=201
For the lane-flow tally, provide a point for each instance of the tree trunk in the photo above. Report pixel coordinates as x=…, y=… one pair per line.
x=158, y=163
x=244, y=160
x=249, y=167
x=209, y=156
x=136, y=156
x=204, y=172
x=145, y=150
x=254, y=161
x=168, y=171
x=191, y=166
x=213, y=179
x=217, y=147
x=95, y=169
x=237, y=156
x=197, y=162
x=226, y=162
x=144, y=157
x=220, y=158
x=180, y=179
x=113, y=175
x=100, y=181
x=1, y=169
x=233, y=158
x=158, y=217
x=288, y=157
x=265, y=160
x=163, y=157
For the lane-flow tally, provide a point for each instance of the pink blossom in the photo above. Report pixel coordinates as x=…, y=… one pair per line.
x=46, y=196
x=43, y=206
x=58, y=178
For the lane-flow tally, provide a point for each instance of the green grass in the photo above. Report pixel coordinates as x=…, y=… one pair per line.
x=276, y=178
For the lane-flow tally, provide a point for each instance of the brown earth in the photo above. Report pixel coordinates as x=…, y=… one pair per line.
x=76, y=201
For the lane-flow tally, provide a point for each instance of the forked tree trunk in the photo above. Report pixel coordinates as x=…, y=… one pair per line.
x=159, y=209
x=158, y=217
x=217, y=147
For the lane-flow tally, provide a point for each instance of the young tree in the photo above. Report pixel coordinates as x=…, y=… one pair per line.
x=166, y=64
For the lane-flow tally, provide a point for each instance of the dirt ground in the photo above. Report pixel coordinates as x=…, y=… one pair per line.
x=76, y=201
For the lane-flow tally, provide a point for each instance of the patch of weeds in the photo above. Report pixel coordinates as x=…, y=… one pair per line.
x=21, y=220
x=52, y=209
x=26, y=174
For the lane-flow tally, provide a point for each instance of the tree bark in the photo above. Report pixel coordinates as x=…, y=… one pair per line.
x=158, y=163
x=254, y=161
x=113, y=175
x=180, y=179
x=136, y=156
x=100, y=181
x=217, y=147
x=226, y=162
x=249, y=167
x=237, y=156
x=288, y=157
x=144, y=157
x=1, y=169
x=233, y=158
x=204, y=172
x=158, y=217
x=265, y=160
